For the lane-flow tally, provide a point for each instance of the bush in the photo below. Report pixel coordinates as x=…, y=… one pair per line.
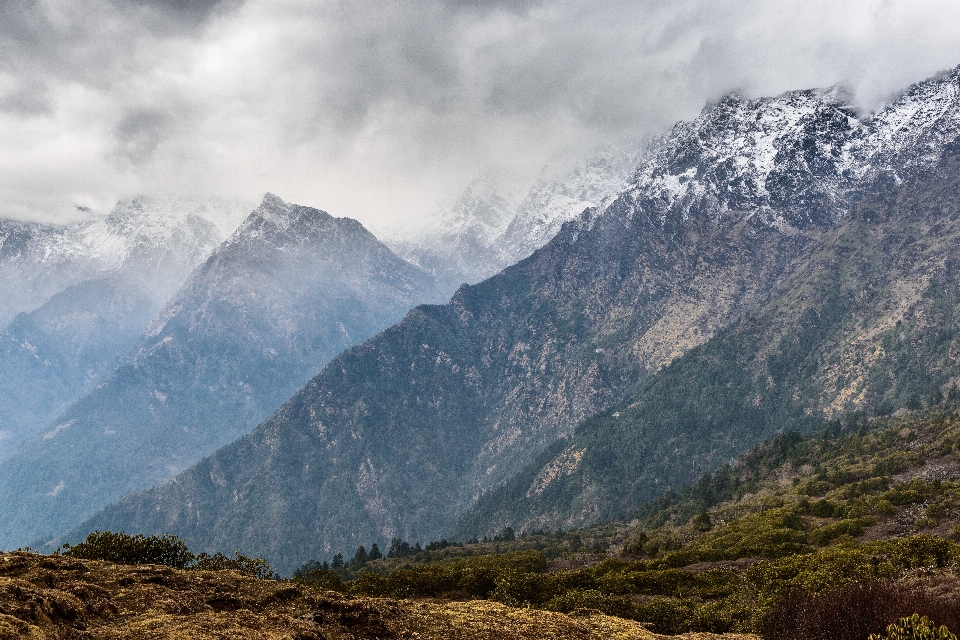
x=322, y=578
x=122, y=548
x=592, y=599
x=668, y=616
x=849, y=612
x=256, y=567
x=168, y=550
x=916, y=627
x=634, y=544
x=852, y=527
x=923, y=551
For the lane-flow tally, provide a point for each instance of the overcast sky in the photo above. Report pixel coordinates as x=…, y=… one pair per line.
x=375, y=110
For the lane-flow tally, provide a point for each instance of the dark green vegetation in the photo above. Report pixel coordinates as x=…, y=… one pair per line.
x=292, y=288
x=167, y=550
x=800, y=538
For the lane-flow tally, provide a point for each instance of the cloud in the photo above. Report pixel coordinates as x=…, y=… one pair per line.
x=138, y=133
x=377, y=109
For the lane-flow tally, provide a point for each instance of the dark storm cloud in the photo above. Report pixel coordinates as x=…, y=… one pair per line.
x=376, y=108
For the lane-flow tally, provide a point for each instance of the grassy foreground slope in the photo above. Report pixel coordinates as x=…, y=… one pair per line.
x=862, y=517
x=50, y=596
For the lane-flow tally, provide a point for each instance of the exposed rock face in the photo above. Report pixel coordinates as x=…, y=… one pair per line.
x=290, y=289
x=397, y=436
x=80, y=296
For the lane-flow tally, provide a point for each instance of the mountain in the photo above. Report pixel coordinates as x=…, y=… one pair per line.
x=458, y=243
x=83, y=294
x=489, y=227
x=561, y=195
x=291, y=288
x=38, y=261
x=400, y=435
x=867, y=322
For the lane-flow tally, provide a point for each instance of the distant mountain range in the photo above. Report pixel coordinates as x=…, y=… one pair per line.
x=489, y=227
x=289, y=290
x=74, y=299
x=776, y=242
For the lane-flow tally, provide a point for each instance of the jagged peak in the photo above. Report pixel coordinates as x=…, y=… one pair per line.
x=276, y=216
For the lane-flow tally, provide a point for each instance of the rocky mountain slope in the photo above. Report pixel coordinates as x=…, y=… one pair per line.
x=290, y=289
x=866, y=322
x=398, y=436
x=83, y=294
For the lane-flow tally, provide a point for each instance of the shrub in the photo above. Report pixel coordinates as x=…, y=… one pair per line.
x=849, y=612
x=829, y=532
x=666, y=582
x=634, y=544
x=322, y=578
x=574, y=599
x=168, y=550
x=668, y=616
x=916, y=627
x=122, y=548
x=923, y=550
x=372, y=584
x=662, y=541
x=256, y=567
x=517, y=589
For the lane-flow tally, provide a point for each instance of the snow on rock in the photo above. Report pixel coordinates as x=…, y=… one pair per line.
x=38, y=261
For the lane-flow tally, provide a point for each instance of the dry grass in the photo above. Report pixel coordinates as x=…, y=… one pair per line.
x=64, y=598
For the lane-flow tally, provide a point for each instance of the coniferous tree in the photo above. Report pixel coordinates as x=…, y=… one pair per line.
x=359, y=558
x=374, y=553
x=399, y=549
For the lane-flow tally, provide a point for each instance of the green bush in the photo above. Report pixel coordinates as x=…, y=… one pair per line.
x=923, y=551
x=256, y=567
x=122, y=548
x=851, y=527
x=916, y=627
x=666, y=582
x=168, y=550
x=322, y=578
x=574, y=599
x=668, y=616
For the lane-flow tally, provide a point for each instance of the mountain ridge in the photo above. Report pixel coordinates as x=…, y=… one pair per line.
x=400, y=434
x=291, y=288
